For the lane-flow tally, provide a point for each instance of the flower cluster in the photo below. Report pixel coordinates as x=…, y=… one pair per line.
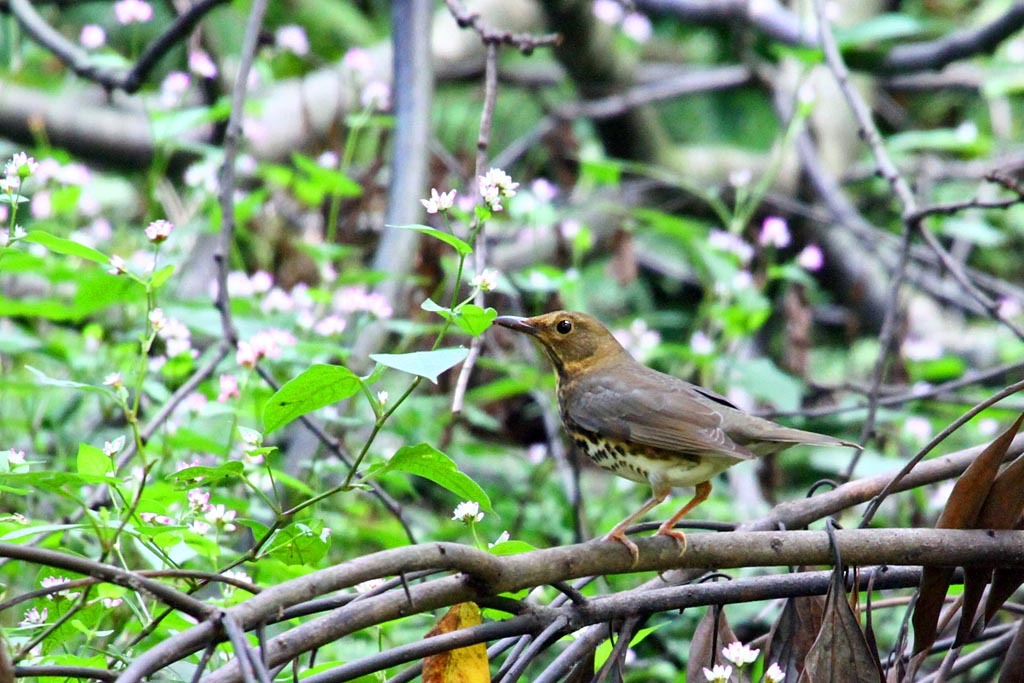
x=133, y=11
x=496, y=185
x=740, y=655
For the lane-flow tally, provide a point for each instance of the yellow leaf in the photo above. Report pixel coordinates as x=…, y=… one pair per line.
x=464, y=665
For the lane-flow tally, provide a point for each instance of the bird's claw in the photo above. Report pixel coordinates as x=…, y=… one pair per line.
x=620, y=537
x=678, y=536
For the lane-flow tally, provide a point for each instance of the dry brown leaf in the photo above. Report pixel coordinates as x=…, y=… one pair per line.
x=464, y=665
x=840, y=652
x=961, y=512
x=1013, y=663
x=794, y=633
x=705, y=647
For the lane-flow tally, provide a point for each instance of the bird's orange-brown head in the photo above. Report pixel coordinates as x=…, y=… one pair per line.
x=574, y=342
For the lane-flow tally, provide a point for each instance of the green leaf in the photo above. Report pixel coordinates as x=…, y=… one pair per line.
x=881, y=28
x=473, y=319
x=425, y=461
x=188, y=477
x=327, y=180
x=162, y=276
x=451, y=240
x=319, y=386
x=299, y=543
x=92, y=460
x=59, y=245
x=43, y=378
x=427, y=364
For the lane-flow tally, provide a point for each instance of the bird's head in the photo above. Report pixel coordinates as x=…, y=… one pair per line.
x=573, y=341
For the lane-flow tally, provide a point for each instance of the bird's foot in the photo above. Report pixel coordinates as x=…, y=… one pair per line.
x=620, y=536
x=678, y=536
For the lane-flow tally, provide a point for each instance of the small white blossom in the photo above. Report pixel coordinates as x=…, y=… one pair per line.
x=112, y=448
x=731, y=243
x=467, y=512
x=701, y=344
x=720, y=673
x=502, y=538
x=485, y=281
x=221, y=516
x=774, y=674
x=133, y=11
x=739, y=654
x=439, y=201
x=292, y=38
x=113, y=380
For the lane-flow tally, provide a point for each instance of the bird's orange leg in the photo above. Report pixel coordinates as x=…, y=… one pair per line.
x=619, y=532
x=668, y=528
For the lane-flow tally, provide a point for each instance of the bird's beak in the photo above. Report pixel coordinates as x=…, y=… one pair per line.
x=514, y=322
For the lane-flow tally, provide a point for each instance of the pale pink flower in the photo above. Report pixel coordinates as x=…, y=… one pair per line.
x=637, y=27
x=740, y=654
x=261, y=281
x=93, y=36
x=292, y=38
x=376, y=95
x=173, y=88
x=774, y=232
x=133, y=11
x=34, y=617
x=221, y=516
x=544, y=189
x=199, y=500
x=774, y=674
x=359, y=61
x=112, y=448
x=608, y=11
x=228, y=388
x=731, y=243
x=157, y=319
x=15, y=457
x=200, y=64
x=200, y=527
x=158, y=231
x=113, y=380
x=117, y=265
x=331, y=325
x=246, y=355
x=811, y=258
x=485, y=281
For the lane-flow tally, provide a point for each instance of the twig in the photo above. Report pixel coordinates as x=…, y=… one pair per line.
x=524, y=42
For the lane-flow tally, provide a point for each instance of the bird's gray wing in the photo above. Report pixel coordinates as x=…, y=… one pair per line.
x=667, y=413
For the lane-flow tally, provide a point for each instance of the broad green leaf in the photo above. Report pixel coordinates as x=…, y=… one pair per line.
x=473, y=319
x=319, y=386
x=92, y=460
x=60, y=245
x=451, y=240
x=188, y=477
x=511, y=548
x=427, y=364
x=425, y=461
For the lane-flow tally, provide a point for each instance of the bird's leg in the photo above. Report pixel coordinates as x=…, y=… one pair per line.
x=668, y=528
x=619, y=532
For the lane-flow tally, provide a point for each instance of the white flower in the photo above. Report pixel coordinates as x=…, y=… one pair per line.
x=15, y=457
x=21, y=165
x=918, y=429
x=774, y=674
x=113, y=380
x=221, y=516
x=701, y=344
x=637, y=27
x=467, y=512
x=34, y=617
x=739, y=654
x=111, y=448
x=157, y=319
x=382, y=398
x=502, y=538
x=719, y=674
x=485, y=281
x=439, y=201
x=774, y=232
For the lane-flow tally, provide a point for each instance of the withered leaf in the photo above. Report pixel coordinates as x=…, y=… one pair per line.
x=840, y=652
x=710, y=636
x=464, y=665
x=961, y=512
x=794, y=632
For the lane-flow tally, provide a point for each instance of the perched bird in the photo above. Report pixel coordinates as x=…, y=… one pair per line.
x=645, y=425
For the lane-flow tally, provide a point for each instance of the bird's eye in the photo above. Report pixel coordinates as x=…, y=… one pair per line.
x=564, y=327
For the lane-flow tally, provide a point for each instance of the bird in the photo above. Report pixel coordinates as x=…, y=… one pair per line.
x=645, y=425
